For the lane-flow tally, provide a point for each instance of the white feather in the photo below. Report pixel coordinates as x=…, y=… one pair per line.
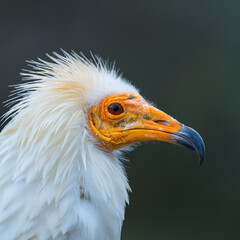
x=54, y=182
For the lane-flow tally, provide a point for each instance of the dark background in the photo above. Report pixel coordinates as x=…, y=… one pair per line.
x=184, y=56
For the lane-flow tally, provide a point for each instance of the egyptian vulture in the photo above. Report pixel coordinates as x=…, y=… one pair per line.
x=61, y=170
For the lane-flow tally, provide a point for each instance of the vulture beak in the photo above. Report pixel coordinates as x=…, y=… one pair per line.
x=189, y=138
x=122, y=120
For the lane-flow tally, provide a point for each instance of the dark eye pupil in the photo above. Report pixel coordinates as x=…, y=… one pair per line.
x=115, y=109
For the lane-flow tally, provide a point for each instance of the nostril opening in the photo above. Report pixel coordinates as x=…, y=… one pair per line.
x=163, y=122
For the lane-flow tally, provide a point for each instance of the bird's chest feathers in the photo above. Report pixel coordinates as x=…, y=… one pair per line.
x=78, y=191
x=98, y=195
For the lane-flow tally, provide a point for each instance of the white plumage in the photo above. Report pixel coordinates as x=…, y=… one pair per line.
x=54, y=182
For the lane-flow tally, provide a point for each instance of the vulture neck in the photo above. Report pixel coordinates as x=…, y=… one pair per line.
x=82, y=187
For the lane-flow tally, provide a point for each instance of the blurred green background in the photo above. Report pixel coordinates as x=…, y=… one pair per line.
x=184, y=56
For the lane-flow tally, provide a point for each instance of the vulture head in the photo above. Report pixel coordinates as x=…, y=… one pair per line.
x=61, y=173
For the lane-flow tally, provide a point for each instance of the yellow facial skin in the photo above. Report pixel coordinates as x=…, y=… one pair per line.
x=138, y=122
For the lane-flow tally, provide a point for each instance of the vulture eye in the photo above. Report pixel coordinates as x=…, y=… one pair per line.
x=115, y=109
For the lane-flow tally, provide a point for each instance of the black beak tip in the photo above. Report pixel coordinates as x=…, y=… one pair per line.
x=201, y=157
x=201, y=153
x=191, y=139
x=199, y=146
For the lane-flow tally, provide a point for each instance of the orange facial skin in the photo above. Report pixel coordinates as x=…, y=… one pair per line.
x=137, y=122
